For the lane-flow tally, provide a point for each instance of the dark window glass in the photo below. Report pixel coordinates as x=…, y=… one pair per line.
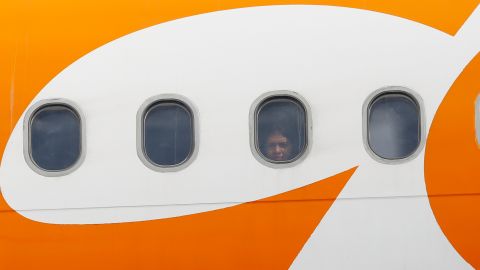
x=281, y=129
x=168, y=137
x=55, y=137
x=394, y=126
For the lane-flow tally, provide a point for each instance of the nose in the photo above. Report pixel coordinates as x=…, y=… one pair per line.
x=278, y=149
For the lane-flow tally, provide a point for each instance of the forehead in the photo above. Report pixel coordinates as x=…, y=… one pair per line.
x=277, y=137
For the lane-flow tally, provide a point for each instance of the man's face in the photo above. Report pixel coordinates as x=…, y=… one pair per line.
x=278, y=147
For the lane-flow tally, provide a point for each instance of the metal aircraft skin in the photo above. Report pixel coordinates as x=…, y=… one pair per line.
x=337, y=205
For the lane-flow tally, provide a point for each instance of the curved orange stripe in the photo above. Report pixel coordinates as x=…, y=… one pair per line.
x=40, y=38
x=265, y=234
x=452, y=165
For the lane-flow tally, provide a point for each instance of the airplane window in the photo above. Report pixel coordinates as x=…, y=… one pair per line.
x=55, y=137
x=281, y=129
x=394, y=125
x=168, y=135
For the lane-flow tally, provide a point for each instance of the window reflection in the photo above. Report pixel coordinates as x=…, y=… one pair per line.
x=281, y=129
x=55, y=137
x=394, y=130
x=168, y=136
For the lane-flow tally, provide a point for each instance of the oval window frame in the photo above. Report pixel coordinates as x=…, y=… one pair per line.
x=417, y=99
x=254, y=108
x=27, y=135
x=140, y=136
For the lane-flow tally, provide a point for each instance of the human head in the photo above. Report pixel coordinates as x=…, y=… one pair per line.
x=278, y=146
